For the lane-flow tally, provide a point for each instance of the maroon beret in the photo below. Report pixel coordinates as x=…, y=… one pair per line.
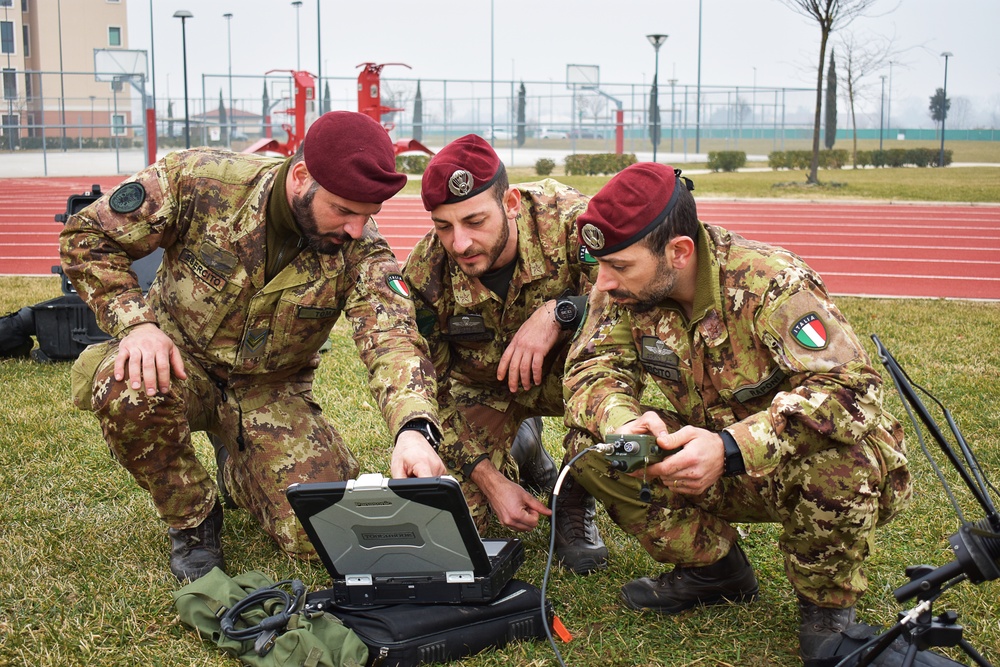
x=628, y=207
x=462, y=169
x=351, y=155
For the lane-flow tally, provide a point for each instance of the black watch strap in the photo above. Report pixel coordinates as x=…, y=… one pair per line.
x=424, y=428
x=734, y=463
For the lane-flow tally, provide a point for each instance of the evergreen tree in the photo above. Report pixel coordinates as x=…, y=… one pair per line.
x=223, y=121
x=939, y=106
x=418, y=114
x=170, y=118
x=831, y=104
x=654, y=115
x=326, y=97
x=265, y=110
x=521, y=104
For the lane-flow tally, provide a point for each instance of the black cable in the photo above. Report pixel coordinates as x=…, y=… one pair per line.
x=552, y=545
x=290, y=601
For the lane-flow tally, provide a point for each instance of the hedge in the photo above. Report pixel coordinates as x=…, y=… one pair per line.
x=591, y=164
x=828, y=159
x=412, y=164
x=726, y=160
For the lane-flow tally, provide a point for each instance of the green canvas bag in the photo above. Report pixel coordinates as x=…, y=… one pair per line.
x=319, y=640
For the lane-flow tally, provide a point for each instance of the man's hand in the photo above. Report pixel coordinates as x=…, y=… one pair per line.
x=413, y=456
x=698, y=465
x=515, y=508
x=521, y=363
x=149, y=356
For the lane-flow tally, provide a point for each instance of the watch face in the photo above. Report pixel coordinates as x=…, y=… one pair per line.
x=565, y=311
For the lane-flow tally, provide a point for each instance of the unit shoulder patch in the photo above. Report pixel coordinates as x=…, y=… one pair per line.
x=127, y=198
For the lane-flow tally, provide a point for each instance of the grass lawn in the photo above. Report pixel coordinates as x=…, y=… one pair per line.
x=84, y=577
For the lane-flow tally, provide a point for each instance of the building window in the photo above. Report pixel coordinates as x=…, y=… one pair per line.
x=24, y=40
x=6, y=36
x=6, y=3
x=9, y=125
x=114, y=36
x=9, y=84
x=118, y=124
x=27, y=86
x=24, y=5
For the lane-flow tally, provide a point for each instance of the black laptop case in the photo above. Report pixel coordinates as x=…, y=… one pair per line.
x=405, y=635
x=393, y=541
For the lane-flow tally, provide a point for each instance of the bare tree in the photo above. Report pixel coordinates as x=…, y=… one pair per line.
x=860, y=57
x=830, y=15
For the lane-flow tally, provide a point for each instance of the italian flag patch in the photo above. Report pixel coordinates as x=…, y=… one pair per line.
x=810, y=332
x=398, y=285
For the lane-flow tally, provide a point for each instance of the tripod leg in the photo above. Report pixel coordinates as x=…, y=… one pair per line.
x=911, y=655
x=973, y=653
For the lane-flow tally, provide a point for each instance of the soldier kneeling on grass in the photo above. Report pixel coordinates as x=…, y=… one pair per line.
x=261, y=257
x=775, y=410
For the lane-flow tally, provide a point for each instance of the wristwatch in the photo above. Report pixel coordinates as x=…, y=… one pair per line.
x=424, y=428
x=566, y=314
x=734, y=463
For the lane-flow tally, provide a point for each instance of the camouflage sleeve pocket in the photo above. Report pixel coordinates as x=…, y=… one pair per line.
x=813, y=334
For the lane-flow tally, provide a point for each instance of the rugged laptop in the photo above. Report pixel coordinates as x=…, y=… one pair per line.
x=391, y=541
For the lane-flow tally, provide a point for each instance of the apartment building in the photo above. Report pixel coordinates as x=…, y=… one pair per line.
x=49, y=85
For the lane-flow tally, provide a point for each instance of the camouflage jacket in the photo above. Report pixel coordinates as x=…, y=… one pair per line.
x=550, y=264
x=207, y=210
x=766, y=356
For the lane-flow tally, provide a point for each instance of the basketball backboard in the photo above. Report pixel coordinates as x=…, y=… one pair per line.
x=116, y=64
x=583, y=76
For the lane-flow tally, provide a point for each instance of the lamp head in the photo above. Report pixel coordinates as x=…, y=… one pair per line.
x=227, y=15
x=947, y=54
x=657, y=40
x=183, y=14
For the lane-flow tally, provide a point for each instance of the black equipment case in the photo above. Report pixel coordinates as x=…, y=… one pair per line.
x=406, y=635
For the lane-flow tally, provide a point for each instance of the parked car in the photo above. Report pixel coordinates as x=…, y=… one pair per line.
x=549, y=133
x=500, y=134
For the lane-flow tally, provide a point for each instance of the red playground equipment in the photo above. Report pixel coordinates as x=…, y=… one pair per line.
x=369, y=103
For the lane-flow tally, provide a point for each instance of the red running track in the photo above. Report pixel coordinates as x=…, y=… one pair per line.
x=899, y=250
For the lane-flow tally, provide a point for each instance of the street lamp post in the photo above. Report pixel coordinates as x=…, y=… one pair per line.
x=184, y=15
x=298, y=50
x=229, y=50
x=92, y=97
x=944, y=105
x=657, y=41
x=881, y=115
x=888, y=102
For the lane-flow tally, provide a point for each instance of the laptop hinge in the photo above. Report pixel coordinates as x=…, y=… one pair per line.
x=358, y=580
x=463, y=577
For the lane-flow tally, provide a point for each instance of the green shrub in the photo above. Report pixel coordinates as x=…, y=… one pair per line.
x=544, y=166
x=726, y=160
x=591, y=164
x=777, y=160
x=412, y=164
x=863, y=158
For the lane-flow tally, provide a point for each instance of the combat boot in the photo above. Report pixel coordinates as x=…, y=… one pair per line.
x=820, y=631
x=578, y=544
x=221, y=460
x=535, y=466
x=728, y=580
x=195, y=551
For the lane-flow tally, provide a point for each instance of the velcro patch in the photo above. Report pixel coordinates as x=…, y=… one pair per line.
x=253, y=344
x=127, y=198
x=658, y=359
x=585, y=256
x=209, y=277
x=762, y=388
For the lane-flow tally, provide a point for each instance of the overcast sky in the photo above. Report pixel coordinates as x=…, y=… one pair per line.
x=743, y=41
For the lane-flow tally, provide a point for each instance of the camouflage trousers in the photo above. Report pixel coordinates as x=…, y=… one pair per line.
x=471, y=429
x=828, y=504
x=285, y=439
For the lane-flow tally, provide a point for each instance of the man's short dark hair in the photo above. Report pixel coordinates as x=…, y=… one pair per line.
x=681, y=221
x=500, y=186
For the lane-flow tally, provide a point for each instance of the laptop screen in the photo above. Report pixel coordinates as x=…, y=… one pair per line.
x=390, y=527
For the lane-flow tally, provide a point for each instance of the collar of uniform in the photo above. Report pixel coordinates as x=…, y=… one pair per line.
x=280, y=221
x=251, y=244
x=706, y=291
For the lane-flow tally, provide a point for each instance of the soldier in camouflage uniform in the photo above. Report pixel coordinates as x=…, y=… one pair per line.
x=774, y=411
x=261, y=257
x=500, y=283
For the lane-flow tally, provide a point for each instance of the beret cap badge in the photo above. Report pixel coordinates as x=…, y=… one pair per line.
x=592, y=236
x=460, y=183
